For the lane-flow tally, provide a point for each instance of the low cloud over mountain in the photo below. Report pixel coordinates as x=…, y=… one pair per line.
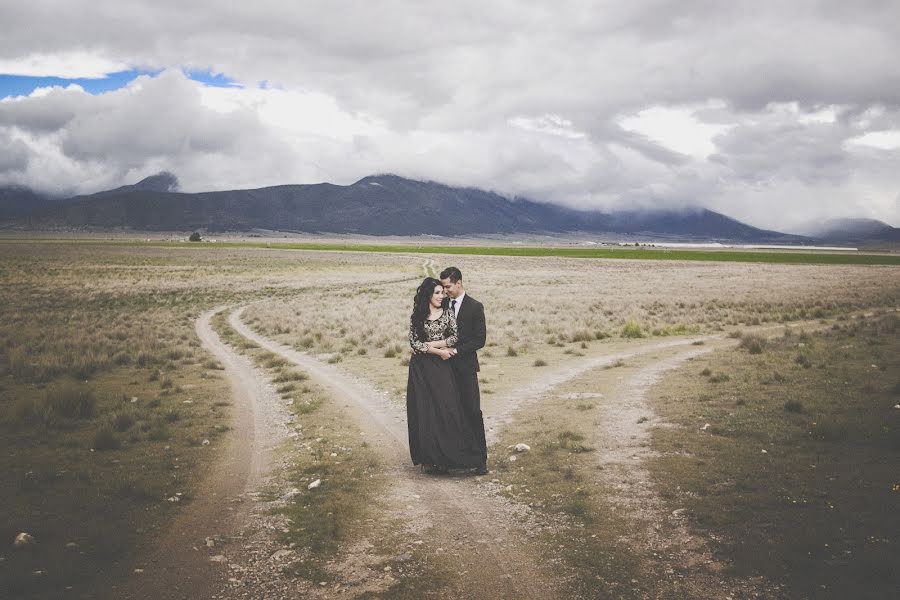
x=376, y=205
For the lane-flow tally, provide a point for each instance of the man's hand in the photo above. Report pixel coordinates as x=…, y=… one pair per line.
x=444, y=353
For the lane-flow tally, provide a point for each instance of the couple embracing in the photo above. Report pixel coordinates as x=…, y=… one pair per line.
x=443, y=402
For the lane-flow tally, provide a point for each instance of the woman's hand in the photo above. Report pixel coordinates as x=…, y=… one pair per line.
x=437, y=344
x=444, y=353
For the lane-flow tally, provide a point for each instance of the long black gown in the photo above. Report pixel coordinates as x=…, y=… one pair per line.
x=439, y=433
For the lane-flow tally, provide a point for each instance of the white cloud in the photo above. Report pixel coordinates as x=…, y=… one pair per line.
x=677, y=129
x=883, y=140
x=69, y=65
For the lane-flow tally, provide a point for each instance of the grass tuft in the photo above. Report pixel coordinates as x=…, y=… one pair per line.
x=754, y=344
x=71, y=400
x=632, y=329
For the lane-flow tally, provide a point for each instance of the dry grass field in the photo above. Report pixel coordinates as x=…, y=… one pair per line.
x=113, y=412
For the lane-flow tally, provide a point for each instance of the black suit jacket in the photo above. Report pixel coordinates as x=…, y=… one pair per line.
x=472, y=335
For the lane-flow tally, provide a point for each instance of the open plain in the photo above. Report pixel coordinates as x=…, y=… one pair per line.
x=183, y=421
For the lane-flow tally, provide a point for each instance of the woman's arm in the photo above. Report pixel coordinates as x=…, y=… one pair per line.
x=421, y=347
x=414, y=342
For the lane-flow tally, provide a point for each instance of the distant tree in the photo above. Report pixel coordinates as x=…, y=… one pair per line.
x=195, y=237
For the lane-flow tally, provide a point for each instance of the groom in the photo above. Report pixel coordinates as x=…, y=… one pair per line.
x=472, y=333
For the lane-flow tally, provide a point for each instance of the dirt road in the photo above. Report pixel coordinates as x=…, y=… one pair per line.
x=475, y=531
x=183, y=563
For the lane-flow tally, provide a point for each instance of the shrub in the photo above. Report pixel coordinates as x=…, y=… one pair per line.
x=632, y=329
x=195, y=237
x=285, y=376
x=121, y=359
x=794, y=406
x=272, y=361
x=573, y=441
x=390, y=353
x=105, y=439
x=540, y=363
x=70, y=400
x=510, y=351
x=174, y=354
x=145, y=359
x=123, y=422
x=754, y=344
x=159, y=432
x=581, y=335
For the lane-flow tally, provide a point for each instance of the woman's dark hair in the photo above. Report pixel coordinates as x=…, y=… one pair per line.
x=420, y=305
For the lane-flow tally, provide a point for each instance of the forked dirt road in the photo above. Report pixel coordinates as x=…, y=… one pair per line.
x=478, y=526
x=476, y=531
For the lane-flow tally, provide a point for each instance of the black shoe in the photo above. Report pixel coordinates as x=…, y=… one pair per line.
x=436, y=470
x=481, y=469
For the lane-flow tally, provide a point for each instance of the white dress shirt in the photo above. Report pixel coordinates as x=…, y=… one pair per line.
x=459, y=300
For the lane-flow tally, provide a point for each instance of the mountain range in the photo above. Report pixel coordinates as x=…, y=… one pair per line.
x=851, y=231
x=375, y=205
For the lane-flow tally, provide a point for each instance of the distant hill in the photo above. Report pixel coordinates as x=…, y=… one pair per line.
x=17, y=201
x=376, y=205
x=852, y=231
x=161, y=182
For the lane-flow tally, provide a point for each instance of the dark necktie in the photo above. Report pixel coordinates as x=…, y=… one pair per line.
x=453, y=306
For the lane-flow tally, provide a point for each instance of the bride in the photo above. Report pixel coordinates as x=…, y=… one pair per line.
x=440, y=436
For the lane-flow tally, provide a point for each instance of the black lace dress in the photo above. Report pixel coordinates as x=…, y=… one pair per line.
x=439, y=433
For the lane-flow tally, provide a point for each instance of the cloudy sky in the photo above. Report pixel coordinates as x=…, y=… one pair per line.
x=775, y=113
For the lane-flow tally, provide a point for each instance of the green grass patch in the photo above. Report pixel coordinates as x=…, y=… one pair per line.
x=640, y=253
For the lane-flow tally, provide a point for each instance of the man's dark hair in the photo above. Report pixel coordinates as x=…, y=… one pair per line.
x=451, y=273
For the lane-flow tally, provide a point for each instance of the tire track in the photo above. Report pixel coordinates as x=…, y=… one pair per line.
x=507, y=405
x=680, y=559
x=178, y=565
